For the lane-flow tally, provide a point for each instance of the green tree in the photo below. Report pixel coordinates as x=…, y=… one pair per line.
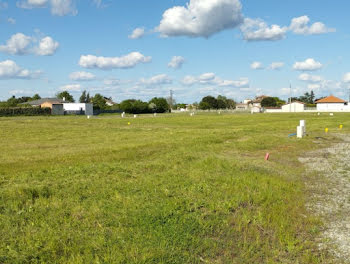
x=161, y=104
x=12, y=101
x=269, y=102
x=82, y=98
x=36, y=97
x=66, y=96
x=279, y=102
x=208, y=102
x=99, y=101
x=133, y=106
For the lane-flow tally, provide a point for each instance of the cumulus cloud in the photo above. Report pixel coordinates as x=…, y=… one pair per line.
x=160, y=79
x=47, y=47
x=346, y=77
x=137, y=33
x=201, y=18
x=58, y=7
x=300, y=25
x=176, y=62
x=310, y=78
x=10, y=70
x=128, y=61
x=256, y=65
x=258, y=30
x=307, y=65
x=276, y=65
x=82, y=76
x=20, y=44
x=211, y=79
x=71, y=87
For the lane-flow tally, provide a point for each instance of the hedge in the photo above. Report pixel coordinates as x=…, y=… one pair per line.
x=21, y=111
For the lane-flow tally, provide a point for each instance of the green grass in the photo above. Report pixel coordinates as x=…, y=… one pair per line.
x=171, y=189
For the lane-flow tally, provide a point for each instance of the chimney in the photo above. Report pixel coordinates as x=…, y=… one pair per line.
x=64, y=99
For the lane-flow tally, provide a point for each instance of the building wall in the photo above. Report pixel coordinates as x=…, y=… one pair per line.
x=331, y=107
x=77, y=107
x=57, y=109
x=293, y=107
x=46, y=105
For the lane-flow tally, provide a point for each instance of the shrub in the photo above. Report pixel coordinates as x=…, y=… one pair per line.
x=24, y=111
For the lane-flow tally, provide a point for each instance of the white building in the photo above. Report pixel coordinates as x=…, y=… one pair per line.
x=294, y=107
x=78, y=107
x=331, y=103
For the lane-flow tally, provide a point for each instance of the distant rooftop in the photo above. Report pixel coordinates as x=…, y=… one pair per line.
x=45, y=100
x=330, y=99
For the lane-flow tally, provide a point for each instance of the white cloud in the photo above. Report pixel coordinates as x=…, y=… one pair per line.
x=201, y=18
x=58, y=7
x=29, y=4
x=63, y=7
x=314, y=86
x=10, y=70
x=71, y=87
x=307, y=65
x=11, y=20
x=258, y=30
x=157, y=80
x=3, y=5
x=256, y=65
x=47, y=47
x=276, y=65
x=137, y=33
x=82, y=76
x=346, y=78
x=98, y=3
x=310, y=78
x=20, y=44
x=211, y=79
x=176, y=62
x=240, y=83
x=300, y=25
x=128, y=61
x=189, y=80
x=112, y=82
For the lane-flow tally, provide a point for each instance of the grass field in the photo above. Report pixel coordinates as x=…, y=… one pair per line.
x=171, y=189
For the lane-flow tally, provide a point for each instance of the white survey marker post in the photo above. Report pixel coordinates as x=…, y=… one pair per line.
x=303, y=124
x=300, y=132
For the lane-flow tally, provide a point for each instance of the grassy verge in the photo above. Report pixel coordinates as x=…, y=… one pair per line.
x=171, y=189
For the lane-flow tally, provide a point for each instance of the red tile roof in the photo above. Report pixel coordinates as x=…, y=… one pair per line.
x=330, y=99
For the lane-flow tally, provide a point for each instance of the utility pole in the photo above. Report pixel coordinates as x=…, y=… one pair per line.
x=290, y=97
x=171, y=99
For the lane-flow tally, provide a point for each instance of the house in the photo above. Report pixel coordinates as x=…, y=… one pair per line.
x=78, y=108
x=242, y=107
x=293, y=107
x=257, y=101
x=44, y=102
x=109, y=101
x=331, y=103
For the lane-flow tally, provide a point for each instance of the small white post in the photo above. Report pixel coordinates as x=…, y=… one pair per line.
x=303, y=125
x=135, y=116
x=300, y=132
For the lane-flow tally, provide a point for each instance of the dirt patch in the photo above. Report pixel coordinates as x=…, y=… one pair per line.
x=331, y=195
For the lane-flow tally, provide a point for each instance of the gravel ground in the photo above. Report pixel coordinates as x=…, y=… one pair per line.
x=331, y=195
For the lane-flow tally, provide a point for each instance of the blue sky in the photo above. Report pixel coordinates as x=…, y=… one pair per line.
x=141, y=49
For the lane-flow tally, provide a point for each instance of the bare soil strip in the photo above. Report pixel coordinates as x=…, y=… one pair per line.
x=331, y=195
